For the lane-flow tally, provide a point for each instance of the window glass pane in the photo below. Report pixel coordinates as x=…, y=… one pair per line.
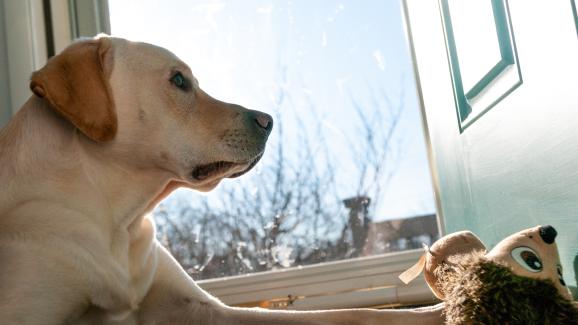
x=345, y=173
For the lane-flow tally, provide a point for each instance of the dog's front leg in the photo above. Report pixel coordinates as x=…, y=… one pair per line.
x=175, y=298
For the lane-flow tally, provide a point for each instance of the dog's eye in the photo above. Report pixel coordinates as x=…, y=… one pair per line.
x=179, y=80
x=527, y=258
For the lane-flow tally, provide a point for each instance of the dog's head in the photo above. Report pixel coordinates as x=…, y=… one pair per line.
x=142, y=104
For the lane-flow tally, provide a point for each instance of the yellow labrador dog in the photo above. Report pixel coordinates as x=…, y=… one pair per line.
x=113, y=127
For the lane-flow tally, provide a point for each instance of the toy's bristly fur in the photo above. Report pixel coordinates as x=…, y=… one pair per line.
x=480, y=291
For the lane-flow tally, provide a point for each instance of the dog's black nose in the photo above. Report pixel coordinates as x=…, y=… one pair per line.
x=548, y=234
x=264, y=121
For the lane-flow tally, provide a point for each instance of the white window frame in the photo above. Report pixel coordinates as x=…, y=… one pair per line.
x=5, y=105
x=25, y=47
x=362, y=282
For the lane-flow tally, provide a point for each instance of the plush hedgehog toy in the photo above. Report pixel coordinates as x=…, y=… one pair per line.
x=518, y=282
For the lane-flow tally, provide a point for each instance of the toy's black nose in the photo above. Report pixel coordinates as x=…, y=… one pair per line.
x=548, y=234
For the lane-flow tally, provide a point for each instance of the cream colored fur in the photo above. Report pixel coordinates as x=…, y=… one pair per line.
x=76, y=244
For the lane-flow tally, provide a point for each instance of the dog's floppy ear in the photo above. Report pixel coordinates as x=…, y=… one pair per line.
x=75, y=84
x=446, y=250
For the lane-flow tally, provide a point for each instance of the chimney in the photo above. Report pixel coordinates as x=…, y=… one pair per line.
x=358, y=221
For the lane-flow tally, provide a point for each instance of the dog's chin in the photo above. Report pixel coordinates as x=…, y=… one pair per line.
x=206, y=187
x=209, y=175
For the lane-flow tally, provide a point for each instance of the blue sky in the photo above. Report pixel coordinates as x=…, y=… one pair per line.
x=321, y=53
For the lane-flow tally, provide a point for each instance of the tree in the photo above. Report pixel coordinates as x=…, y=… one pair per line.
x=292, y=211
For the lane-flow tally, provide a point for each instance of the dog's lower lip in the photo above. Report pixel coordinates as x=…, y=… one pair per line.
x=205, y=171
x=251, y=165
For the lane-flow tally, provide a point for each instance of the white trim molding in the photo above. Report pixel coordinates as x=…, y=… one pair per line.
x=430, y=155
x=72, y=19
x=88, y=17
x=25, y=46
x=61, y=25
x=5, y=106
x=362, y=282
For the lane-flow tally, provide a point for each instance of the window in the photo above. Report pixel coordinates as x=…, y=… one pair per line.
x=345, y=177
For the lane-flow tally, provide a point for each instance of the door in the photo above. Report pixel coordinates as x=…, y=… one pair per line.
x=499, y=91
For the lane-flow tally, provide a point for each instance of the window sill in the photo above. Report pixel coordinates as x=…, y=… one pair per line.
x=363, y=282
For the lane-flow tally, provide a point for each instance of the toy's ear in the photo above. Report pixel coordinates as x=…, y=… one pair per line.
x=75, y=84
x=448, y=249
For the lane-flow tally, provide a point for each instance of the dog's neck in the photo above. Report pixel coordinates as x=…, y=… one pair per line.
x=40, y=151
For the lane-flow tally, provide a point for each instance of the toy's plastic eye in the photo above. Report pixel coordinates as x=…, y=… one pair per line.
x=527, y=258
x=560, y=277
